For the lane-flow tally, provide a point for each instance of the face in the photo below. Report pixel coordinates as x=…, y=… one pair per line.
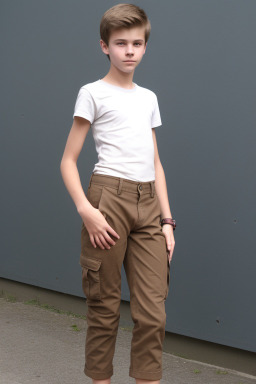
x=126, y=48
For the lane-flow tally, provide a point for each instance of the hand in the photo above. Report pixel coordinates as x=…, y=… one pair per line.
x=98, y=229
x=169, y=237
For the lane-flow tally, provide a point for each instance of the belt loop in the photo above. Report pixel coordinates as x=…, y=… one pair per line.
x=120, y=186
x=90, y=180
x=152, y=188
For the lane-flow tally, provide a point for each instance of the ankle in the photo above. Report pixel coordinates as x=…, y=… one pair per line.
x=105, y=381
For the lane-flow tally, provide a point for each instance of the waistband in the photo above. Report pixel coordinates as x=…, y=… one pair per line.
x=121, y=183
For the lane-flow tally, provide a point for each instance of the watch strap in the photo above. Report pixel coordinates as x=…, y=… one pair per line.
x=170, y=221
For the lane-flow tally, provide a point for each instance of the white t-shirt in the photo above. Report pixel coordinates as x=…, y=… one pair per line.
x=121, y=121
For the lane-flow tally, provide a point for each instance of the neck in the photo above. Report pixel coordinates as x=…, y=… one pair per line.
x=115, y=77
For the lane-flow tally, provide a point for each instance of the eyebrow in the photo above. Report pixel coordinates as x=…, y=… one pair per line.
x=137, y=40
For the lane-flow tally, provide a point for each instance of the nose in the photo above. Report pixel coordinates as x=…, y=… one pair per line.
x=129, y=49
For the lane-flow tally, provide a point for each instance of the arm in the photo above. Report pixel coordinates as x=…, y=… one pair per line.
x=161, y=191
x=93, y=219
x=68, y=165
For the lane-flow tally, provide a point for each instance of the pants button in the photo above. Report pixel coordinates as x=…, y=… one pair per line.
x=140, y=187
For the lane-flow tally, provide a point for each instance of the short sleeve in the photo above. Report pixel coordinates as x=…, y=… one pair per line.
x=84, y=106
x=156, y=117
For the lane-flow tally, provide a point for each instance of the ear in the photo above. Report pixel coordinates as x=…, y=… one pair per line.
x=104, y=47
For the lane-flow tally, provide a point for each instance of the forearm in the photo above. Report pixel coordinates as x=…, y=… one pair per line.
x=161, y=190
x=73, y=184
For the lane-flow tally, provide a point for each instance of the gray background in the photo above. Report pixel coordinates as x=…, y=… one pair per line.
x=201, y=63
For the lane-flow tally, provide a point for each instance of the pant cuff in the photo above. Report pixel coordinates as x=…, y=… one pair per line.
x=98, y=375
x=155, y=375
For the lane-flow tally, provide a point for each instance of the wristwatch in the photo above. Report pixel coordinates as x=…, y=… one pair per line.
x=172, y=222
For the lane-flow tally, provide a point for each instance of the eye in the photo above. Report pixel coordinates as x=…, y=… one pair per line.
x=120, y=43
x=137, y=44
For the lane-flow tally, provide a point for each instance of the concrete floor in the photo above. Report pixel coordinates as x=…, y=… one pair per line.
x=41, y=346
x=175, y=344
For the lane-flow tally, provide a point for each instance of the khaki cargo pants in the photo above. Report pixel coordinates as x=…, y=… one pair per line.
x=132, y=209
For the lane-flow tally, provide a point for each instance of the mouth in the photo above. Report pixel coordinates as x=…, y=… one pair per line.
x=129, y=61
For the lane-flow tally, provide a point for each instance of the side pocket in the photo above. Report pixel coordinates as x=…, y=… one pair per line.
x=91, y=278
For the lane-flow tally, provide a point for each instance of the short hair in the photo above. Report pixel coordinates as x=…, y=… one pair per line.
x=123, y=16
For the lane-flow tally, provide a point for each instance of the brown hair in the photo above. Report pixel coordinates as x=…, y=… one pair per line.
x=123, y=16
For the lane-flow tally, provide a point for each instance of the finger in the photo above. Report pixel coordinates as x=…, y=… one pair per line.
x=112, y=231
x=99, y=242
x=170, y=256
x=92, y=241
x=169, y=245
x=103, y=241
x=109, y=239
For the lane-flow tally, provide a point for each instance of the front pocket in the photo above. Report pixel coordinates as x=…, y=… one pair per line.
x=94, y=194
x=109, y=202
x=91, y=278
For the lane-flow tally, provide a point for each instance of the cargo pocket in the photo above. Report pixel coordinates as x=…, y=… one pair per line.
x=91, y=278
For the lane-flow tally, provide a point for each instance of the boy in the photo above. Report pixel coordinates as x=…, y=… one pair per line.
x=125, y=201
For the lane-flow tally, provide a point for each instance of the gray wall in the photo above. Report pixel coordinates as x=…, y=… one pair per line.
x=201, y=63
